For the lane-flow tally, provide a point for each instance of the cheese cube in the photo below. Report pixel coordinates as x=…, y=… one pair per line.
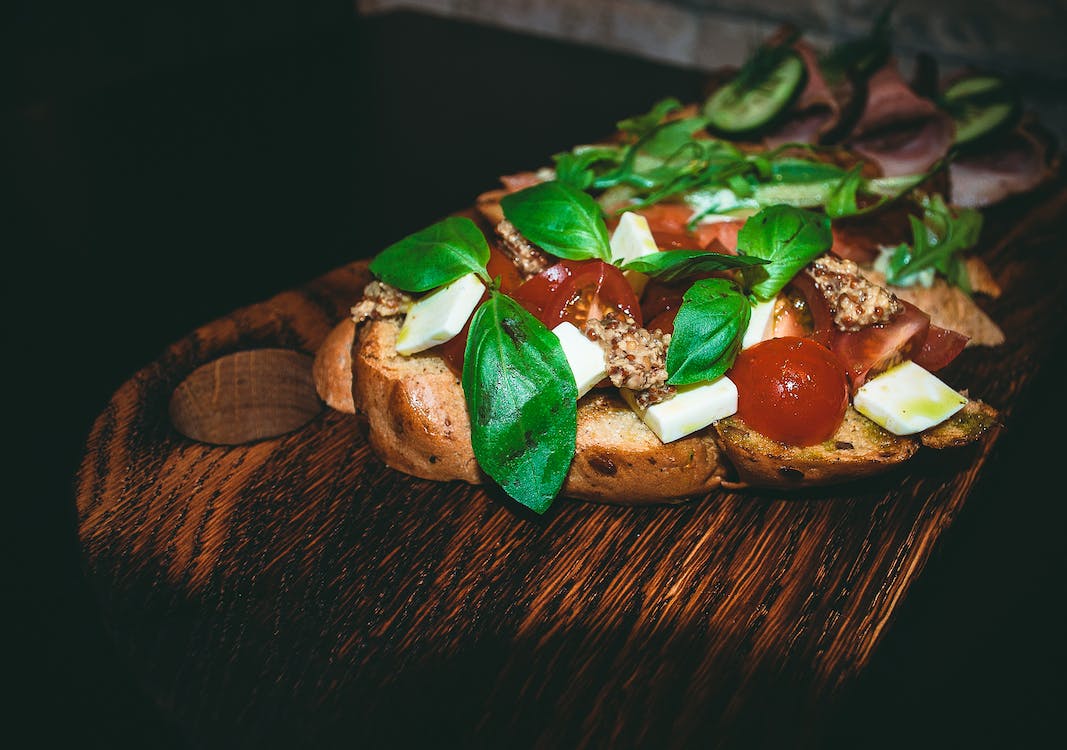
x=632, y=239
x=439, y=315
x=907, y=399
x=691, y=408
x=585, y=357
x=760, y=325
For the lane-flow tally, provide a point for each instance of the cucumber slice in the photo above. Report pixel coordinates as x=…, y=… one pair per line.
x=980, y=105
x=738, y=107
x=968, y=88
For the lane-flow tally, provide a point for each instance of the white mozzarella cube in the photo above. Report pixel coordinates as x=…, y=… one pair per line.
x=585, y=357
x=760, y=325
x=632, y=239
x=691, y=408
x=440, y=315
x=907, y=399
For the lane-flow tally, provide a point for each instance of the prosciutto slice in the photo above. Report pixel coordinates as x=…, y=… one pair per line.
x=899, y=130
x=1016, y=163
x=816, y=111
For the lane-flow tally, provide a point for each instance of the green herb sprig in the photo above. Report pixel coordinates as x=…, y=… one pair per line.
x=939, y=240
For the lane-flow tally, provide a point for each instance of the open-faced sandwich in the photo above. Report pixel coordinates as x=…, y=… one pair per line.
x=758, y=290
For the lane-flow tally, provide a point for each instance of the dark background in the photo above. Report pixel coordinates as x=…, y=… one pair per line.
x=173, y=163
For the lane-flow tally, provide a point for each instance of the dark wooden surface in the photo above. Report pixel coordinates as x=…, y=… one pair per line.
x=177, y=639
x=300, y=583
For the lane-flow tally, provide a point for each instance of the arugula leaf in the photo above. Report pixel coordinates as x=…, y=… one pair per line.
x=677, y=264
x=763, y=61
x=860, y=57
x=707, y=332
x=560, y=219
x=575, y=168
x=668, y=138
x=791, y=170
x=842, y=200
x=938, y=241
x=789, y=238
x=522, y=401
x=639, y=125
x=434, y=256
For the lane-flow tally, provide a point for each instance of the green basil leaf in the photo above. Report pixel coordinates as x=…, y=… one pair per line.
x=434, y=256
x=789, y=238
x=560, y=219
x=522, y=401
x=707, y=332
x=678, y=264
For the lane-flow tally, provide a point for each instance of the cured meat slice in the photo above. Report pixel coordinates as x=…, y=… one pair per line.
x=1015, y=163
x=817, y=110
x=899, y=130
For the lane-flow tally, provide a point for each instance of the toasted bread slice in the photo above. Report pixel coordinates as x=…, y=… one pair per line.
x=858, y=449
x=417, y=422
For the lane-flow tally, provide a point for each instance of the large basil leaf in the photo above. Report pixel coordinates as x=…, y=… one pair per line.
x=707, y=332
x=522, y=401
x=789, y=238
x=677, y=264
x=437, y=255
x=560, y=219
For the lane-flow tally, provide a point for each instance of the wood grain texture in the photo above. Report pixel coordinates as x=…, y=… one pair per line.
x=296, y=590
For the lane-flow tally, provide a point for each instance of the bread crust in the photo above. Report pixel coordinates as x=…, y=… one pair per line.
x=858, y=449
x=416, y=421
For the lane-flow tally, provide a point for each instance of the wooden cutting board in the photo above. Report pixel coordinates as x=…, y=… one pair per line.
x=295, y=589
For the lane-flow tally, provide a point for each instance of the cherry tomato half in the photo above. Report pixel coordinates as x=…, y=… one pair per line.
x=793, y=390
x=576, y=291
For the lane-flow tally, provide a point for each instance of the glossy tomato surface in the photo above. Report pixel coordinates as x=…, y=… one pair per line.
x=576, y=291
x=791, y=389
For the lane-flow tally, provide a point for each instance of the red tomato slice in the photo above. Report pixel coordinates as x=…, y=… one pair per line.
x=874, y=347
x=576, y=291
x=668, y=223
x=942, y=345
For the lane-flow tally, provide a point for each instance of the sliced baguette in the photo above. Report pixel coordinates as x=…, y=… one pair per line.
x=416, y=421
